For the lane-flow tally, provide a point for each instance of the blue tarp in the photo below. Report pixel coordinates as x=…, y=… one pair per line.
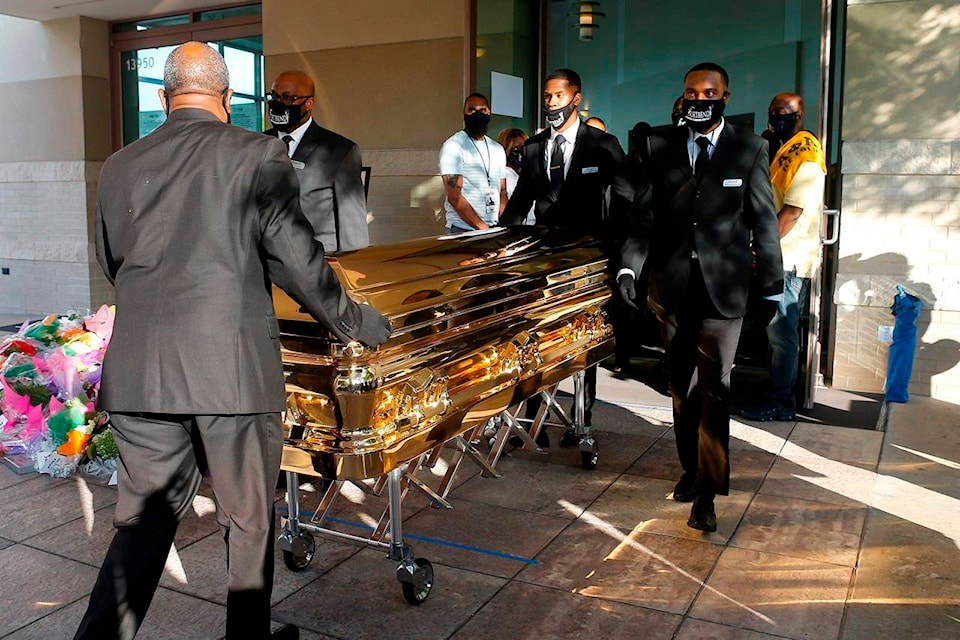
x=906, y=310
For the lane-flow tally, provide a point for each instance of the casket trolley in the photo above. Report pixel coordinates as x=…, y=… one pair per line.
x=481, y=322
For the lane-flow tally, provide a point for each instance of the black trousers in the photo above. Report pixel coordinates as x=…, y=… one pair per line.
x=162, y=461
x=700, y=347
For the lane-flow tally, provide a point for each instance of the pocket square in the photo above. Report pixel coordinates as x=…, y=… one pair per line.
x=733, y=182
x=590, y=170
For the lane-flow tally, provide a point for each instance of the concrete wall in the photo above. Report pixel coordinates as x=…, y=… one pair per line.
x=390, y=77
x=901, y=190
x=55, y=124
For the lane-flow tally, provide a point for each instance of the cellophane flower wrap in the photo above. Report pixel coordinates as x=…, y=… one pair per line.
x=49, y=379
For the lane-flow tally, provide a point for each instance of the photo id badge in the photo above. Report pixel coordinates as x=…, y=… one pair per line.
x=491, y=205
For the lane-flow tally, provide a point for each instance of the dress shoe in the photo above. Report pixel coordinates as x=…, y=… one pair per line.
x=685, y=490
x=543, y=439
x=702, y=515
x=569, y=439
x=286, y=632
x=769, y=412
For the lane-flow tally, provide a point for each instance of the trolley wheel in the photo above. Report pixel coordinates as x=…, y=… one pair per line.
x=418, y=589
x=588, y=459
x=303, y=548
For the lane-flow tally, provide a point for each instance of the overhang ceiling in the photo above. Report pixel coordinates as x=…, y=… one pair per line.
x=109, y=10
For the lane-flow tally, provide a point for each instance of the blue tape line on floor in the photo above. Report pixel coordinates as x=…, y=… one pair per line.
x=445, y=543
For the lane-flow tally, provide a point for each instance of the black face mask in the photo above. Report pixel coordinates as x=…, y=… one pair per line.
x=701, y=115
x=284, y=117
x=515, y=159
x=782, y=125
x=557, y=117
x=476, y=123
x=676, y=117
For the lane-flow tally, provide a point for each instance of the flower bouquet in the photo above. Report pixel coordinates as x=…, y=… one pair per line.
x=49, y=378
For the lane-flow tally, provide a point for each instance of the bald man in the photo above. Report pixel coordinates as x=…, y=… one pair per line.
x=327, y=165
x=596, y=123
x=798, y=173
x=193, y=223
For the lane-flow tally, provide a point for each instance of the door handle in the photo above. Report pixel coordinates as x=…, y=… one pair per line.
x=832, y=218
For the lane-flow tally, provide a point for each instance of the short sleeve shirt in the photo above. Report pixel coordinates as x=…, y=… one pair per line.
x=483, y=164
x=801, y=246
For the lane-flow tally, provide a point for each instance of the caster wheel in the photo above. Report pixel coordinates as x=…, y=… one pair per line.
x=301, y=554
x=418, y=590
x=588, y=459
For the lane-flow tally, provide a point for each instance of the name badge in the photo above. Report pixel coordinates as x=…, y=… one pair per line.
x=590, y=170
x=733, y=182
x=299, y=165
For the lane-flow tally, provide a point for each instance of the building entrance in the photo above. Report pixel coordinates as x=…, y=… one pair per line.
x=140, y=49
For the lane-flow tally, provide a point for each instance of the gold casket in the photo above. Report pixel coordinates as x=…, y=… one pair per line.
x=480, y=321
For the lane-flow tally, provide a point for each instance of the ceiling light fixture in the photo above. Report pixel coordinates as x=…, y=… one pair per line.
x=587, y=15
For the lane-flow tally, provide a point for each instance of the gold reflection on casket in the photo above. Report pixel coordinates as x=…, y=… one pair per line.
x=480, y=322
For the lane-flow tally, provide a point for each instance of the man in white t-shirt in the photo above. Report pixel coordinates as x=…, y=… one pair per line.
x=473, y=167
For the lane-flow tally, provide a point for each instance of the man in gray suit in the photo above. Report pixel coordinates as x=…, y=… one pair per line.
x=194, y=221
x=327, y=164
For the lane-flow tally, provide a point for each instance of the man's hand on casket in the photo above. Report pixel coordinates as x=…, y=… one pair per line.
x=628, y=290
x=374, y=327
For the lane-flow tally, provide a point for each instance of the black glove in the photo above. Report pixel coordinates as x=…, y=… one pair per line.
x=628, y=290
x=374, y=327
x=766, y=309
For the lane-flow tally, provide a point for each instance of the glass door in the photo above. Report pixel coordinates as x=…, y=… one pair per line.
x=140, y=49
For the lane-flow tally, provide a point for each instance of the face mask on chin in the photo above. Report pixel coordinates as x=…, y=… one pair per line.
x=476, y=124
x=556, y=118
x=701, y=115
x=284, y=117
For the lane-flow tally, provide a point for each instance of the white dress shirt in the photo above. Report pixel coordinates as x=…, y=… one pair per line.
x=569, y=141
x=693, y=149
x=296, y=134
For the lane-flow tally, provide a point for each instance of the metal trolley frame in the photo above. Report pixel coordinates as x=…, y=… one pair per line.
x=416, y=577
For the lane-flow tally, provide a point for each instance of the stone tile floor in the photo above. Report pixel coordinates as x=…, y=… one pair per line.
x=829, y=532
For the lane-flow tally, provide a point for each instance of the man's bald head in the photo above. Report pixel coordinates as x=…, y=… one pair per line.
x=787, y=103
x=196, y=68
x=291, y=99
x=785, y=116
x=295, y=83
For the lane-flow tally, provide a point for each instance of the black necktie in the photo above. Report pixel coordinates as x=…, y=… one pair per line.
x=703, y=158
x=287, y=140
x=556, y=164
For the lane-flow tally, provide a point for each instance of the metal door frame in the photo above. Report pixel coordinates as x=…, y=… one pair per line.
x=213, y=30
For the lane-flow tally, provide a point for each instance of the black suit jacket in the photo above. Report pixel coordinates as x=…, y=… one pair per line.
x=719, y=215
x=331, y=191
x=597, y=163
x=193, y=223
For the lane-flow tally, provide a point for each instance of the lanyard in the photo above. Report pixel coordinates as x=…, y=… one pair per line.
x=486, y=163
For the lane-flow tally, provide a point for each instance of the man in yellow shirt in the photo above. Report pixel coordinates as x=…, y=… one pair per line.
x=798, y=172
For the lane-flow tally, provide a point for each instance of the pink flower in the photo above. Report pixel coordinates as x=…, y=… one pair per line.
x=101, y=323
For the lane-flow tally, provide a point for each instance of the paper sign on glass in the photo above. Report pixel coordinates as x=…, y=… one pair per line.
x=506, y=94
